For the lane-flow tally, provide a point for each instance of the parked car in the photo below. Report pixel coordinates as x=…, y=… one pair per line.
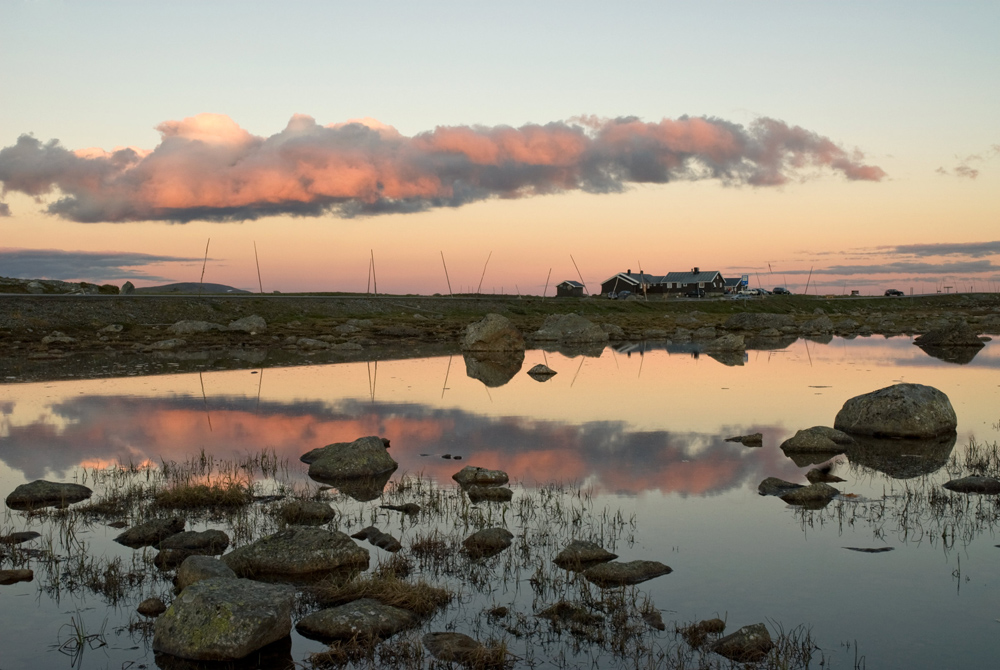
x=697, y=293
x=894, y=292
x=781, y=290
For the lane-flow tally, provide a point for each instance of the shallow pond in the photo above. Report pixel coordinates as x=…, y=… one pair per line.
x=640, y=431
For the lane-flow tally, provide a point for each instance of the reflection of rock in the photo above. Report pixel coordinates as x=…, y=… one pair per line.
x=772, y=486
x=960, y=335
x=493, y=333
x=824, y=474
x=957, y=355
x=902, y=410
x=41, y=493
x=493, y=369
x=747, y=645
x=361, y=489
x=823, y=338
x=224, y=619
x=902, y=459
x=297, y=551
x=307, y=512
x=752, y=440
x=574, y=349
x=275, y=656
x=364, y=619
x=730, y=358
x=805, y=459
x=608, y=575
x=478, y=494
x=725, y=344
x=541, y=373
x=982, y=485
x=770, y=340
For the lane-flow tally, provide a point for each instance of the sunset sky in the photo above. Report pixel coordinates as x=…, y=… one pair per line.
x=857, y=140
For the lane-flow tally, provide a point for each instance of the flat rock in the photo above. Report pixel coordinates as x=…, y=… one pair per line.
x=911, y=411
x=196, y=568
x=570, y=328
x=249, y=324
x=581, y=554
x=42, y=493
x=298, y=551
x=151, y=607
x=471, y=474
x=747, y=645
x=570, y=613
x=8, y=577
x=378, y=539
x=982, y=485
x=487, y=542
x=813, y=494
x=224, y=619
x=307, y=512
x=478, y=494
x=772, y=486
x=817, y=439
x=751, y=440
x=364, y=457
x=151, y=533
x=493, y=333
x=454, y=648
x=365, y=619
x=188, y=327
x=612, y=574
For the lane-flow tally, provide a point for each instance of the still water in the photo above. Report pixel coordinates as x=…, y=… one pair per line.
x=643, y=432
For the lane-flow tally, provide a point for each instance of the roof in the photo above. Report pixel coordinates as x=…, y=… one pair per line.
x=571, y=284
x=690, y=277
x=634, y=279
x=734, y=281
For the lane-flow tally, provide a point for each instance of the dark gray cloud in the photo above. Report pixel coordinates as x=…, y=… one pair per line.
x=973, y=249
x=207, y=167
x=902, y=267
x=93, y=266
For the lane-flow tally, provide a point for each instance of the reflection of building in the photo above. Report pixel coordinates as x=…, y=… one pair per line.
x=569, y=289
x=697, y=282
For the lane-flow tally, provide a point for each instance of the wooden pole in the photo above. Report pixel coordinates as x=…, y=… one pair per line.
x=578, y=273
x=259, y=282
x=807, y=284
x=203, y=264
x=546, y=290
x=479, y=288
x=447, y=279
x=374, y=278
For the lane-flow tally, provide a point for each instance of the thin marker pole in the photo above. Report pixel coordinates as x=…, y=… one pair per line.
x=374, y=278
x=203, y=264
x=447, y=279
x=259, y=282
x=484, y=272
x=578, y=273
x=546, y=290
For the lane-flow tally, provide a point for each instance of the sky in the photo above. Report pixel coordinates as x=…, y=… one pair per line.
x=501, y=148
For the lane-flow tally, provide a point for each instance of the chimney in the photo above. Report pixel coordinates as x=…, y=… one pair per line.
x=629, y=271
x=694, y=270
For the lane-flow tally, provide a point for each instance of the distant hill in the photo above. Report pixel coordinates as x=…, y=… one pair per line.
x=190, y=288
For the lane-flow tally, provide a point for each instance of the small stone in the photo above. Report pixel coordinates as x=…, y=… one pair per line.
x=8, y=577
x=747, y=645
x=487, y=542
x=151, y=607
x=607, y=575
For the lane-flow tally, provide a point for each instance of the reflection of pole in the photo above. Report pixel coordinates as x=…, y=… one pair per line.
x=446, y=274
x=444, y=387
x=582, y=359
x=205, y=400
x=260, y=382
x=642, y=359
x=372, y=380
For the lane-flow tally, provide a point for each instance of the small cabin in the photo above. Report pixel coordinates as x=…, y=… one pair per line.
x=569, y=289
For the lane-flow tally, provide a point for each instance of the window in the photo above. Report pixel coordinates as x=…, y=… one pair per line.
x=701, y=284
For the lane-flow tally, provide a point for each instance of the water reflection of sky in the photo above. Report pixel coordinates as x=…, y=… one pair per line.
x=645, y=431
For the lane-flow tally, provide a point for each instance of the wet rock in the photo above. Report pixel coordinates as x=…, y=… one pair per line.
x=566, y=613
x=297, y=551
x=364, y=457
x=747, y=645
x=902, y=459
x=454, y=648
x=378, y=539
x=176, y=548
x=364, y=619
x=751, y=440
x=697, y=633
x=541, y=372
x=249, y=324
x=726, y=343
x=910, y=411
x=307, y=512
x=188, y=327
x=569, y=328
x=654, y=619
x=151, y=533
x=493, y=333
x=41, y=493
x=823, y=475
x=407, y=508
x=757, y=322
x=8, y=577
x=19, y=538
x=196, y=568
x=612, y=574
x=151, y=607
x=956, y=355
x=487, y=542
x=581, y=554
x=475, y=475
x=494, y=369
x=224, y=619
x=814, y=494
x=818, y=439
x=478, y=494
x=772, y=486
x=981, y=485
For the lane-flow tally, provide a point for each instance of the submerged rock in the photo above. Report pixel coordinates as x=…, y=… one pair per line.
x=622, y=574
x=487, y=542
x=814, y=494
x=471, y=474
x=493, y=333
x=19, y=538
x=364, y=619
x=981, y=485
x=8, y=577
x=697, y=633
x=151, y=607
x=911, y=411
x=307, y=512
x=564, y=612
x=224, y=619
x=151, y=533
x=581, y=554
x=772, y=486
x=747, y=645
x=196, y=568
x=298, y=551
x=454, y=648
x=41, y=493
x=378, y=539
x=818, y=439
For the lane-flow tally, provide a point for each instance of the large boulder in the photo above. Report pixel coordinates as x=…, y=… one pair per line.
x=570, y=328
x=912, y=411
x=608, y=575
x=298, y=552
x=493, y=333
x=224, y=619
x=41, y=493
x=364, y=619
x=364, y=457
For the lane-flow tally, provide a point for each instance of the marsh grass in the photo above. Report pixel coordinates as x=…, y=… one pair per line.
x=420, y=597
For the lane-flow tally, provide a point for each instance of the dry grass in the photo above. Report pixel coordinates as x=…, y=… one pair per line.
x=200, y=496
x=420, y=598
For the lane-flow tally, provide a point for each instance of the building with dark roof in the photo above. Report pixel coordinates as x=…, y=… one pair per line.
x=569, y=289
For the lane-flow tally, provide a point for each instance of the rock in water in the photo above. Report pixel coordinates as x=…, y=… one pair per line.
x=608, y=575
x=196, y=568
x=493, y=333
x=471, y=474
x=298, y=551
x=809, y=495
x=151, y=607
x=960, y=335
x=541, y=372
x=307, y=512
x=224, y=619
x=581, y=554
x=365, y=619
x=478, y=494
x=981, y=485
x=772, y=486
x=819, y=439
x=487, y=542
x=364, y=457
x=454, y=648
x=41, y=493
x=912, y=411
x=151, y=533
x=8, y=577
x=747, y=645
